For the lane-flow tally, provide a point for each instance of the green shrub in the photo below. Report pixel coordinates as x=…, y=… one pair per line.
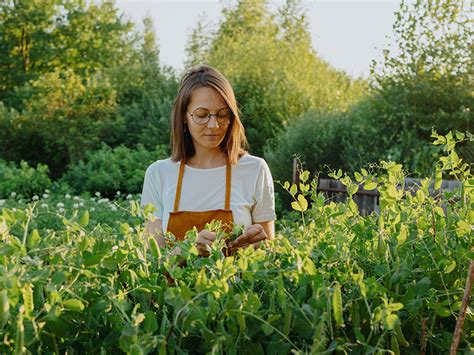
x=110, y=170
x=314, y=138
x=24, y=180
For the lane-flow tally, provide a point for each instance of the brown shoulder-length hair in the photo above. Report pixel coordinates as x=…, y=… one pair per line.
x=234, y=143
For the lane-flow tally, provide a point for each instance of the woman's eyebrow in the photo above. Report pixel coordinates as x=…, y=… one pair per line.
x=226, y=107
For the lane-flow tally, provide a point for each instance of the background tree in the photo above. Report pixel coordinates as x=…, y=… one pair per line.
x=424, y=82
x=145, y=93
x=275, y=72
x=85, y=77
x=41, y=37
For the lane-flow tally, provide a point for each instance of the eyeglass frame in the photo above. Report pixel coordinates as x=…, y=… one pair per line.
x=212, y=114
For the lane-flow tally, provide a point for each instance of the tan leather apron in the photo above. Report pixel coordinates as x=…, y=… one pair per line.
x=182, y=221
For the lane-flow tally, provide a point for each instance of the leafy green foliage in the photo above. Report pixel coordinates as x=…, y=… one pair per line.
x=272, y=66
x=23, y=180
x=333, y=281
x=145, y=94
x=66, y=113
x=109, y=170
x=424, y=82
x=75, y=76
x=315, y=138
x=39, y=38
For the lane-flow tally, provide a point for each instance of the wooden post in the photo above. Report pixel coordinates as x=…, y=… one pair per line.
x=295, y=171
x=462, y=311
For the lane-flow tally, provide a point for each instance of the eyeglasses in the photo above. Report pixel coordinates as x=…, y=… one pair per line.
x=202, y=116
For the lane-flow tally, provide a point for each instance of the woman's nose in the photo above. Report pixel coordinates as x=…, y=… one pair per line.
x=212, y=123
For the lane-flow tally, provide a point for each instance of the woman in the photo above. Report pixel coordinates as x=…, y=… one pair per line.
x=209, y=175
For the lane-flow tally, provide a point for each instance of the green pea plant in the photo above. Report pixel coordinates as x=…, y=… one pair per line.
x=330, y=281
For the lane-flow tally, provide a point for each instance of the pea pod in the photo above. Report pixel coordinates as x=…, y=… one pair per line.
x=5, y=304
x=20, y=335
x=398, y=332
x=163, y=348
x=27, y=293
x=337, y=305
x=394, y=345
x=155, y=249
x=287, y=322
x=241, y=320
x=381, y=247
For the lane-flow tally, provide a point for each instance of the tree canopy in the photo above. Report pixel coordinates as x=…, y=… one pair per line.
x=269, y=59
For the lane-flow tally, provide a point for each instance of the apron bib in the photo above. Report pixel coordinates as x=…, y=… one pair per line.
x=182, y=221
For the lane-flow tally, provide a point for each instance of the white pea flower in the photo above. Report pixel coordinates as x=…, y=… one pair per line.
x=92, y=209
x=60, y=205
x=81, y=204
x=76, y=198
x=92, y=198
x=115, y=247
x=113, y=208
x=60, y=209
x=35, y=198
x=97, y=194
x=44, y=205
x=45, y=195
x=47, y=191
x=67, y=196
x=2, y=202
x=129, y=196
x=13, y=194
x=118, y=193
x=76, y=205
x=103, y=200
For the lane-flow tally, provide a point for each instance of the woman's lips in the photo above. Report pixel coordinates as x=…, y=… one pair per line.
x=212, y=137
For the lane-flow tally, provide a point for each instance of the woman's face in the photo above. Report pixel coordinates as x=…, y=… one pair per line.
x=209, y=135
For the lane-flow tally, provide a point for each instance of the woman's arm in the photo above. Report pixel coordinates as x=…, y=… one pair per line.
x=269, y=228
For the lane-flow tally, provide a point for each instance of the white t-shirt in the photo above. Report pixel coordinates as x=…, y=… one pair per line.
x=251, y=200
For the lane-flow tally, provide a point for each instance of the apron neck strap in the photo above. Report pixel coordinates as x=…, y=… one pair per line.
x=180, y=185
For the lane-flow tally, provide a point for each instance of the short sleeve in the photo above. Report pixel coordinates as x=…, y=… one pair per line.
x=151, y=192
x=264, y=208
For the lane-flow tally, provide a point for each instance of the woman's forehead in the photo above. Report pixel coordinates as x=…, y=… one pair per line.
x=207, y=97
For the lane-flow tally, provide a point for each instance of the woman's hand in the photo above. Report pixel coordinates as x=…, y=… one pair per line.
x=204, y=239
x=252, y=235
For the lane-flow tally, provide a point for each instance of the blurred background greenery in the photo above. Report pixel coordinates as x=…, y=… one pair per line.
x=85, y=102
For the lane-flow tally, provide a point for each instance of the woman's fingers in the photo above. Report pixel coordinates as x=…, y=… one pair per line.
x=205, y=238
x=253, y=234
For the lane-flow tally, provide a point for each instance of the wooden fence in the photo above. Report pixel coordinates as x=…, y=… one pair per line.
x=368, y=200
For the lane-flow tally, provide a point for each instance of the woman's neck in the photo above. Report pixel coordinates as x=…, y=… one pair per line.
x=207, y=161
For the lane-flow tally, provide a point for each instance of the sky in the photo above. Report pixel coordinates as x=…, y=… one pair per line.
x=348, y=34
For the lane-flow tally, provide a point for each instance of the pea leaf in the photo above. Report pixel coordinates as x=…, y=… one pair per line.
x=84, y=221
x=438, y=179
x=390, y=321
x=450, y=267
x=293, y=190
x=309, y=267
x=74, y=305
x=370, y=185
